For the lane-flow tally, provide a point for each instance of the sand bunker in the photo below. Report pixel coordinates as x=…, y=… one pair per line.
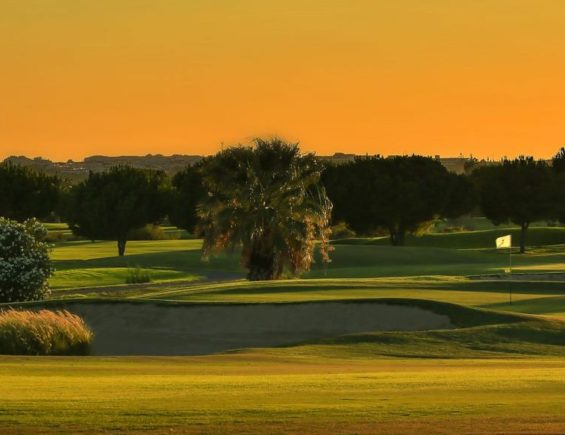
x=151, y=329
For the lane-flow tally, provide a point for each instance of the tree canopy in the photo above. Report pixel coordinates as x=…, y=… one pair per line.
x=558, y=161
x=187, y=193
x=517, y=191
x=398, y=194
x=268, y=200
x=558, y=169
x=108, y=205
x=25, y=193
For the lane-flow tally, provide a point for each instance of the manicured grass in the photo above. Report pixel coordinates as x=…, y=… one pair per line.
x=50, y=226
x=483, y=239
x=181, y=259
x=83, y=250
x=547, y=297
x=263, y=392
x=109, y=276
x=497, y=372
x=534, y=337
x=87, y=264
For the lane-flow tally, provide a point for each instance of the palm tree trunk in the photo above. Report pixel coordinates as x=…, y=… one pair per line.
x=261, y=263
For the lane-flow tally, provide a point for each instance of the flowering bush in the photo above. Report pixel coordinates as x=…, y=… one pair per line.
x=24, y=261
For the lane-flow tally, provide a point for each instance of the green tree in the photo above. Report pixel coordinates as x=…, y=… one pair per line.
x=108, y=205
x=188, y=191
x=25, y=193
x=461, y=196
x=558, y=170
x=267, y=200
x=399, y=194
x=517, y=191
x=24, y=261
x=558, y=161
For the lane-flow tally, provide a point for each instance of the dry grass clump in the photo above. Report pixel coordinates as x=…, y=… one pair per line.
x=43, y=332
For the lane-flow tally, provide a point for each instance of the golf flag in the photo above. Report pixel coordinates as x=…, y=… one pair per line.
x=504, y=242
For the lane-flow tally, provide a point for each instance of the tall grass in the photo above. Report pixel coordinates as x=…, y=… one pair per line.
x=150, y=232
x=43, y=332
x=138, y=275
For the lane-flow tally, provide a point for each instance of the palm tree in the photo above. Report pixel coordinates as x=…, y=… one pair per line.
x=268, y=200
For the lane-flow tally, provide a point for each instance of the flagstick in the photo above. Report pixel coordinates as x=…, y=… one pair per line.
x=501, y=243
x=510, y=273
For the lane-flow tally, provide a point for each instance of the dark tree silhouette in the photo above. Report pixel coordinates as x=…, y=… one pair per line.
x=108, y=205
x=267, y=200
x=558, y=162
x=517, y=191
x=558, y=169
x=187, y=193
x=25, y=193
x=399, y=194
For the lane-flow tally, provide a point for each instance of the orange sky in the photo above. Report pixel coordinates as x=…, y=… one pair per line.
x=481, y=77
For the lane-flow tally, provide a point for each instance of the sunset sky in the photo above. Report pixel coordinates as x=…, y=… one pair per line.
x=83, y=77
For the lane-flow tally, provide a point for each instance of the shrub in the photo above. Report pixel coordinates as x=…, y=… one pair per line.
x=138, y=276
x=342, y=231
x=454, y=229
x=43, y=332
x=24, y=261
x=148, y=232
x=55, y=236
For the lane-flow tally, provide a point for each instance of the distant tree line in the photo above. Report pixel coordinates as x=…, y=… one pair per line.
x=276, y=203
x=403, y=194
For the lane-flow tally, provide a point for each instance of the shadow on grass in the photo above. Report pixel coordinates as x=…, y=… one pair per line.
x=186, y=261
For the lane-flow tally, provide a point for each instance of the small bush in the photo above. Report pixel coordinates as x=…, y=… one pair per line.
x=342, y=231
x=454, y=229
x=148, y=232
x=138, y=276
x=43, y=332
x=55, y=236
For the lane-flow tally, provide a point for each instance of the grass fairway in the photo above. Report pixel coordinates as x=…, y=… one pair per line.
x=494, y=372
x=87, y=264
x=272, y=392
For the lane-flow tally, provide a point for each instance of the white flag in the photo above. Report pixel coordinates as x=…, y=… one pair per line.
x=504, y=242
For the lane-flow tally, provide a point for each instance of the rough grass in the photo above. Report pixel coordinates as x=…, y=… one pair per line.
x=43, y=332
